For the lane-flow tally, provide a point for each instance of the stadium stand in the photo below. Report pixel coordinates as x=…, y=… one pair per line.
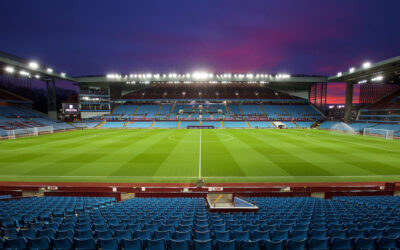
x=184, y=124
x=165, y=124
x=235, y=124
x=163, y=223
x=259, y=124
x=139, y=124
x=113, y=125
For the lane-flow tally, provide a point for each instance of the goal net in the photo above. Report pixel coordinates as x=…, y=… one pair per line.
x=23, y=132
x=385, y=133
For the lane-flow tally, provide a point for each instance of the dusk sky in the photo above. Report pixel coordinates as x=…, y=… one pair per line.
x=160, y=36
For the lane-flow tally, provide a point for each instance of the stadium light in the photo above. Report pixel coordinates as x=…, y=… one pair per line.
x=377, y=79
x=250, y=76
x=33, y=65
x=352, y=69
x=24, y=73
x=201, y=75
x=37, y=76
x=63, y=74
x=366, y=65
x=363, y=81
x=49, y=70
x=339, y=74
x=9, y=69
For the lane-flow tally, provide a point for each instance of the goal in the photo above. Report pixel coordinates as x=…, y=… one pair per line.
x=387, y=134
x=24, y=132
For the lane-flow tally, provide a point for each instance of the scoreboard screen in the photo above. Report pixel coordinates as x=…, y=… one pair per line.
x=70, y=108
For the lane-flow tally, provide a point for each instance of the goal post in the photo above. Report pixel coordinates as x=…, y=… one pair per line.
x=24, y=132
x=385, y=133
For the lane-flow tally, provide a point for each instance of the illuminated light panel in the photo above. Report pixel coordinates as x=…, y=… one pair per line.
x=9, y=69
x=33, y=65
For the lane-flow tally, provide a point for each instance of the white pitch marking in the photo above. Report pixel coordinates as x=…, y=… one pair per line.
x=200, y=156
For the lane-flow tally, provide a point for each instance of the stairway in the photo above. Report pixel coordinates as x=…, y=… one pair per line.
x=152, y=125
x=222, y=124
x=101, y=124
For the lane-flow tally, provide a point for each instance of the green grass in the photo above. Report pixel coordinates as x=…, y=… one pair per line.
x=227, y=155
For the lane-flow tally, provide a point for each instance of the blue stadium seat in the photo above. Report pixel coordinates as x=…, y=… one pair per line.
x=249, y=245
x=123, y=234
x=11, y=233
x=49, y=233
x=84, y=234
x=109, y=244
x=83, y=226
x=202, y=245
x=316, y=244
x=85, y=243
x=393, y=232
x=135, y=244
x=29, y=233
x=183, y=236
x=318, y=234
x=296, y=244
x=225, y=245
x=18, y=243
x=387, y=243
x=133, y=227
x=168, y=227
x=100, y=227
x=365, y=243
x=356, y=233
x=299, y=235
x=202, y=236
x=280, y=235
x=143, y=235
x=68, y=226
x=106, y=234
x=65, y=234
x=179, y=245
x=62, y=243
x=39, y=243
x=376, y=233
x=341, y=243
x=273, y=245
x=261, y=235
x=335, y=233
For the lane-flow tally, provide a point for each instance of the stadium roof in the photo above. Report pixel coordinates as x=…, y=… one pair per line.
x=18, y=65
x=387, y=70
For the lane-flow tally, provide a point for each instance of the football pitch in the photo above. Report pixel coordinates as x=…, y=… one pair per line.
x=185, y=155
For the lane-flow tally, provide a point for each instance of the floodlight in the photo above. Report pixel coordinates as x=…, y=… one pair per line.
x=250, y=76
x=366, y=65
x=201, y=75
x=352, y=69
x=33, y=65
x=37, y=76
x=339, y=74
x=63, y=74
x=363, y=81
x=9, y=69
x=377, y=79
x=49, y=70
x=24, y=73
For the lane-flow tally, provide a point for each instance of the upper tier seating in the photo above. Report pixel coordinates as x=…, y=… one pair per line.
x=165, y=109
x=147, y=110
x=273, y=111
x=251, y=110
x=125, y=110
